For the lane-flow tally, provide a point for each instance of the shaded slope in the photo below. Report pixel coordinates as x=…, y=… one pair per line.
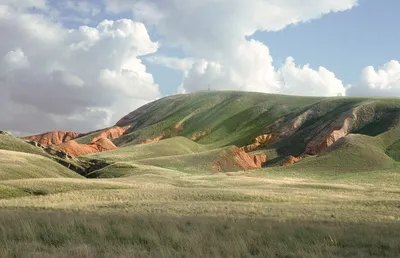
x=314, y=129
x=394, y=151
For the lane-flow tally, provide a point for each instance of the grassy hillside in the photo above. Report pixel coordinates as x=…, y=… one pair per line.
x=394, y=151
x=349, y=154
x=226, y=118
x=168, y=147
x=17, y=165
x=8, y=142
x=291, y=126
x=19, y=159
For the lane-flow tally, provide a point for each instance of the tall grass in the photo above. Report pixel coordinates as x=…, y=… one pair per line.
x=62, y=234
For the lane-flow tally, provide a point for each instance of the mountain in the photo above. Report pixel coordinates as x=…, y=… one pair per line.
x=229, y=131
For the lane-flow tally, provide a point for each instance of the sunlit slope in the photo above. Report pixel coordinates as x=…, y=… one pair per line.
x=218, y=118
x=18, y=165
x=19, y=159
x=8, y=142
x=356, y=152
x=169, y=147
x=323, y=133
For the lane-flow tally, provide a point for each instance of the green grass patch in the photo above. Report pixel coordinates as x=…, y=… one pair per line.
x=394, y=151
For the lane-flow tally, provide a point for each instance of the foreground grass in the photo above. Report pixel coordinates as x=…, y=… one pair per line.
x=65, y=234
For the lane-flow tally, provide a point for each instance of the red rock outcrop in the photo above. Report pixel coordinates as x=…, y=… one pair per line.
x=198, y=135
x=328, y=136
x=111, y=133
x=277, y=131
x=53, y=138
x=260, y=141
x=236, y=159
x=148, y=141
x=76, y=149
x=290, y=160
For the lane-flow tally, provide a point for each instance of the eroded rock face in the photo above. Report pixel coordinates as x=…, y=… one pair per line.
x=148, y=141
x=111, y=133
x=76, y=149
x=291, y=160
x=64, y=141
x=329, y=135
x=53, y=138
x=198, y=135
x=237, y=159
x=260, y=141
x=278, y=131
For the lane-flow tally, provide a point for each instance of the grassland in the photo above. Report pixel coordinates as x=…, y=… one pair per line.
x=116, y=235
x=163, y=200
x=166, y=213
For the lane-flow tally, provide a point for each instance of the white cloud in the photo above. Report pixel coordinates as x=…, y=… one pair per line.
x=384, y=81
x=215, y=34
x=15, y=59
x=52, y=77
x=181, y=64
x=306, y=81
x=25, y=4
x=82, y=7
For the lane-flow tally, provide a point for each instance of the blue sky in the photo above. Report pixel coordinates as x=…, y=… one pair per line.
x=343, y=42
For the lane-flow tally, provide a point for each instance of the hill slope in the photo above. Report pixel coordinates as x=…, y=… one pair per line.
x=285, y=126
x=19, y=159
x=217, y=118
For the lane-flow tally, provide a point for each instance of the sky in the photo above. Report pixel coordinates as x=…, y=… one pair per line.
x=82, y=65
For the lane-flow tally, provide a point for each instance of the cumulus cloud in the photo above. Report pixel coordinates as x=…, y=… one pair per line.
x=82, y=7
x=216, y=35
x=52, y=77
x=181, y=64
x=306, y=81
x=384, y=81
x=25, y=4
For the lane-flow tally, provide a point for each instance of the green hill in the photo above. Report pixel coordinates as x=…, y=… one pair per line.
x=225, y=118
x=278, y=125
x=19, y=160
x=168, y=147
x=350, y=154
x=8, y=142
x=19, y=165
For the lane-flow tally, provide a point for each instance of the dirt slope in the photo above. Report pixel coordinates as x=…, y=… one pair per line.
x=53, y=138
